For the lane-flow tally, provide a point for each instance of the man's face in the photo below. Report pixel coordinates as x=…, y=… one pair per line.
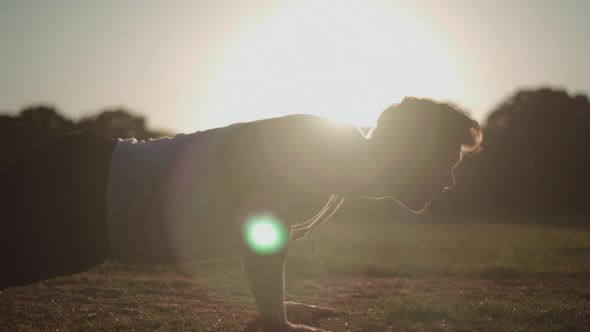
x=422, y=177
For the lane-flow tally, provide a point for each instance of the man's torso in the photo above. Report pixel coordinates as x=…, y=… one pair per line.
x=180, y=200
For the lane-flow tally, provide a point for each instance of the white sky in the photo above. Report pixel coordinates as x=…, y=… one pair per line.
x=192, y=65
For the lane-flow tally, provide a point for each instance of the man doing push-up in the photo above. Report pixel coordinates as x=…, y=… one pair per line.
x=83, y=198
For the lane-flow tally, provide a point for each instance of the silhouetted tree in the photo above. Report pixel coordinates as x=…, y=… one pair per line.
x=44, y=117
x=37, y=125
x=540, y=140
x=536, y=158
x=33, y=127
x=117, y=123
x=9, y=139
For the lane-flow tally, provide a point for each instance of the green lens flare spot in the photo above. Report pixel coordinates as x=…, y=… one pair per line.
x=265, y=234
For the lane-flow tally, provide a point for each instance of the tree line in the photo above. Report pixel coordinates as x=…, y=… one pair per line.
x=37, y=125
x=535, y=161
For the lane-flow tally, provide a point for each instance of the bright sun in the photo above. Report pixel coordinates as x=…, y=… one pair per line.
x=343, y=60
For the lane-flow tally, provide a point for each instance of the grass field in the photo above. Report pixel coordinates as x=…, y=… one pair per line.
x=411, y=276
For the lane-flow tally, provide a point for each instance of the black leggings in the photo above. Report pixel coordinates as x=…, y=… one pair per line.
x=53, y=210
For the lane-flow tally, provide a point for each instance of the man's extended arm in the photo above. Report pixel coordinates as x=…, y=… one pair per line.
x=266, y=278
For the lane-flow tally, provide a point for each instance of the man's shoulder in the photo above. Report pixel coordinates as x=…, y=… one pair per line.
x=301, y=148
x=291, y=133
x=302, y=127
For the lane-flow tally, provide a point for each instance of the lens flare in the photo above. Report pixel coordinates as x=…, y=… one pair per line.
x=265, y=234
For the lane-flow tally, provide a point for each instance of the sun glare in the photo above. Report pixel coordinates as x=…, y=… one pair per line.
x=343, y=60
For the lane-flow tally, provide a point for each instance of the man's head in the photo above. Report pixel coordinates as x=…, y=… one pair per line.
x=415, y=146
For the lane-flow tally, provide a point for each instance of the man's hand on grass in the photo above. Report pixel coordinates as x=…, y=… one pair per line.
x=289, y=327
x=308, y=311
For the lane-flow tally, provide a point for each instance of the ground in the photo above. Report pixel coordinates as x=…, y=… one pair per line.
x=404, y=276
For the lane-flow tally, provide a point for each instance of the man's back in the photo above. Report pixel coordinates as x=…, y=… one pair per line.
x=300, y=159
x=163, y=194
x=184, y=199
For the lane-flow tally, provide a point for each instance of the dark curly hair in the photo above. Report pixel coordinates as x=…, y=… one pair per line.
x=425, y=120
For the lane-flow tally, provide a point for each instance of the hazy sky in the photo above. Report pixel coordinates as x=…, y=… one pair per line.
x=191, y=65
